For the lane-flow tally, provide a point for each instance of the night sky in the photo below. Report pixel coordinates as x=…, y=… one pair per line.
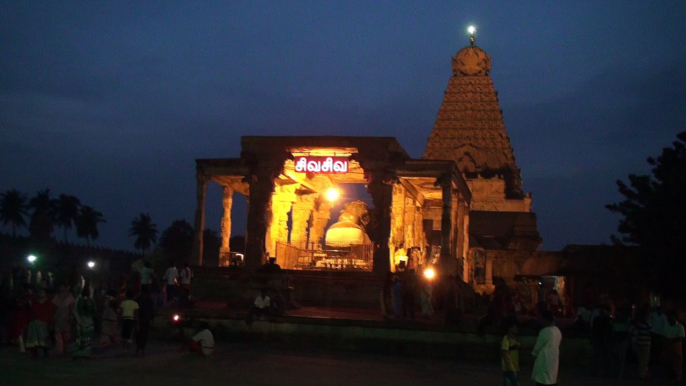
x=113, y=101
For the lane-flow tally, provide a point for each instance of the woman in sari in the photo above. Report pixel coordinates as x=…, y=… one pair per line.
x=38, y=331
x=84, y=313
x=64, y=301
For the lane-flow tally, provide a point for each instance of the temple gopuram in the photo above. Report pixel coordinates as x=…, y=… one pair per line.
x=460, y=208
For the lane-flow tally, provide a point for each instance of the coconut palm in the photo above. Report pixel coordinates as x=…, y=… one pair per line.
x=87, y=223
x=145, y=232
x=13, y=208
x=66, y=212
x=42, y=215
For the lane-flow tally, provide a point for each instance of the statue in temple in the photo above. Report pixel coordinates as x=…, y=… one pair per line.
x=350, y=229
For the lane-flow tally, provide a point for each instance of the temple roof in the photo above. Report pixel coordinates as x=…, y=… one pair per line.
x=469, y=128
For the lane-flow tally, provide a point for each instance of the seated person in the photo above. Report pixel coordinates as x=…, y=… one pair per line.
x=203, y=342
x=260, y=307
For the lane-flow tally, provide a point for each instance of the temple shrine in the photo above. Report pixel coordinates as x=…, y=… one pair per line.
x=460, y=208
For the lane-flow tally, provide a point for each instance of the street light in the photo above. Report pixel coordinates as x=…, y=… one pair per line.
x=31, y=258
x=91, y=264
x=429, y=273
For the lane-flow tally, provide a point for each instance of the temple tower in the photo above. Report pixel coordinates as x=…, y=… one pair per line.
x=470, y=130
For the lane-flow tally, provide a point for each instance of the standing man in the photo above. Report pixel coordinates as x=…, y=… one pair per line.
x=673, y=334
x=186, y=276
x=510, y=355
x=547, y=351
x=171, y=277
x=147, y=274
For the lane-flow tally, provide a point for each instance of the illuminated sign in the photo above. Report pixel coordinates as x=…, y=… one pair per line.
x=321, y=165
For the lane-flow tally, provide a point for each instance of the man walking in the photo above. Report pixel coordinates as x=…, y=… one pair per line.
x=547, y=351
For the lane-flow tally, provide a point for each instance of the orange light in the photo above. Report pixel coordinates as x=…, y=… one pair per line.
x=429, y=273
x=332, y=194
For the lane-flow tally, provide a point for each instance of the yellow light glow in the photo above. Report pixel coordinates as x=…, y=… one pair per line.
x=471, y=29
x=429, y=273
x=332, y=194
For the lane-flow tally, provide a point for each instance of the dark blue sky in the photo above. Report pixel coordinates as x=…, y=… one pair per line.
x=113, y=101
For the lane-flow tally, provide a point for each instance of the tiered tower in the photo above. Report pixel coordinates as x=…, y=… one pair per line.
x=470, y=130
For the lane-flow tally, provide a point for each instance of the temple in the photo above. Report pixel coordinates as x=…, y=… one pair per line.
x=470, y=130
x=418, y=205
x=460, y=208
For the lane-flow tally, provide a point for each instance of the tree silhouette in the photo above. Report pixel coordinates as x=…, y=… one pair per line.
x=177, y=241
x=87, y=223
x=145, y=232
x=42, y=215
x=13, y=208
x=66, y=212
x=654, y=217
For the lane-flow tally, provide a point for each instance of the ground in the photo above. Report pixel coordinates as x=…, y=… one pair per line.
x=261, y=363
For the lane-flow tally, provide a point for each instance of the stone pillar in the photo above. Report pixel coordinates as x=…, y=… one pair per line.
x=381, y=189
x=489, y=270
x=282, y=200
x=446, y=259
x=320, y=217
x=227, y=203
x=397, y=221
x=409, y=224
x=261, y=180
x=302, y=211
x=200, y=193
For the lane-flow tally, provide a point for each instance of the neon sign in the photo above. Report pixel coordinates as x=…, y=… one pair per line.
x=321, y=165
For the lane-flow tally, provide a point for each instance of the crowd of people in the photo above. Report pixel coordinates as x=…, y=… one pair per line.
x=40, y=316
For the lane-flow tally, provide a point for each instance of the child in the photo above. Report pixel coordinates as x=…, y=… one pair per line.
x=510, y=356
x=109, y=334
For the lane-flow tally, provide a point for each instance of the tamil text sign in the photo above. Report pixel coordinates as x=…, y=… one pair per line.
x=321, y=165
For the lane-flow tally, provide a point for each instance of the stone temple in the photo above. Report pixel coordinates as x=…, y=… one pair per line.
x=460, y=208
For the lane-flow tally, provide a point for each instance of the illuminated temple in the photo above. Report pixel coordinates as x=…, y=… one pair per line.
x=461, y=207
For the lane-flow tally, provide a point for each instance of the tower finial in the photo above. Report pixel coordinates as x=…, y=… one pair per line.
x=471, y=29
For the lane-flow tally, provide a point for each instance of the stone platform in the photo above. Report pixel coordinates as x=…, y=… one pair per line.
x=363, y=330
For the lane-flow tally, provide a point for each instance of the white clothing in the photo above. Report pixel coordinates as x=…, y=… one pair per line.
x=675, y=331
x=262, y=303
x=547, y=353
x=146, y=275
x=171, y=275
x=659, y=323
x=186, y=275
x=206, y=341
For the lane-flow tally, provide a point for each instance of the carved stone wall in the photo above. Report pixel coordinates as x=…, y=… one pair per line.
x=489, y=195
x=302, y=212
x=320, y=217
x=282, y=200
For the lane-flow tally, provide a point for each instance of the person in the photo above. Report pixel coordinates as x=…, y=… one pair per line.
x=128, y=313
x=641, y=341
x=425, y=296
x=583, y=317
x=64, y=301
x=20, y=317
x=260, y=307
x=147, y=274
x=109, y=329
x=171, y=276
x=547, y=351
x=659, y=321
x=186, y=276
x=673, y=334
x=554, y=302
x=203, y=342
x=146, y=313
x=620, y=340
x=409, y=290
x=386, y=297
x=84, y=314
x=601, y=341
x=38, y=331
x=509, y=349
x=397, y=293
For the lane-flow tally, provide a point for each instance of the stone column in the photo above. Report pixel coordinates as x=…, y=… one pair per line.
x=397, y=221
x=200, y=193
x=227, y=203
x=409, y=223
x=261, y=180
x=302, y=211
x=282, y=200
x=446, y=259
x=320, y=217
x=381, y=189
x=489, y=270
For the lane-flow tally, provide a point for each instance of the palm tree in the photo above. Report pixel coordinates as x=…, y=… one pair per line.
x=87, y=223
x=13, y=208
x=67, y=212
x=42, y=215
x=145, y=232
